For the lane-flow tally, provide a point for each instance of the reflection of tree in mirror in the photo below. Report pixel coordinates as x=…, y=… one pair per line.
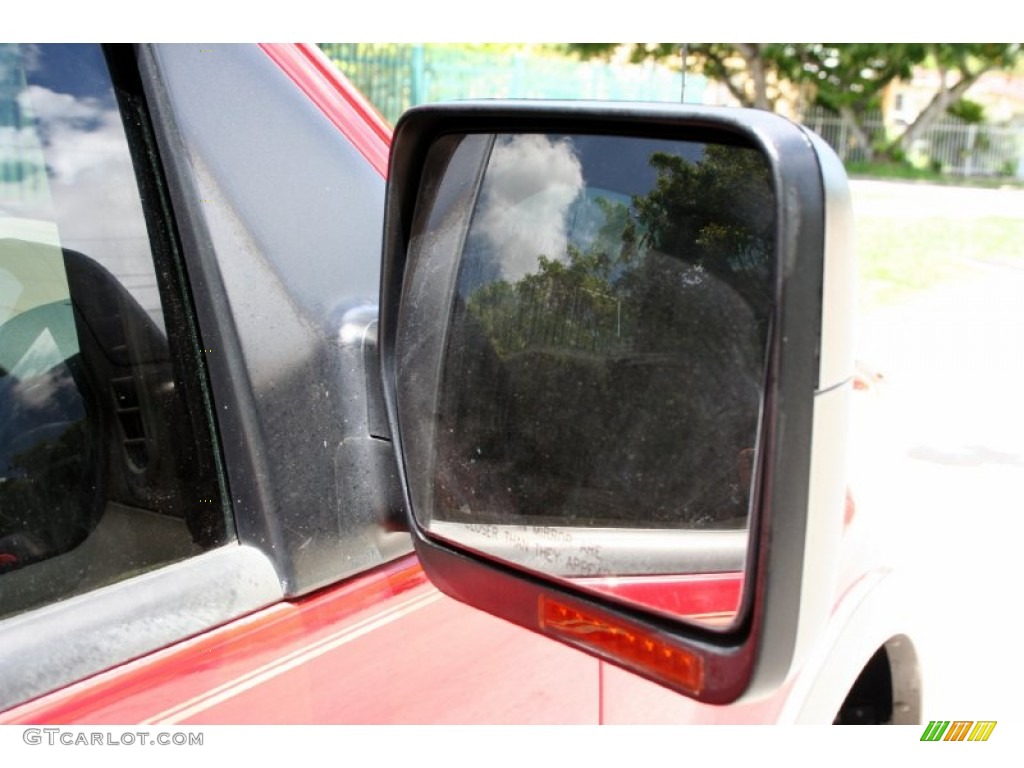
x=714, y=216
x=718, y=214
x=561, y=305
x=621, y=381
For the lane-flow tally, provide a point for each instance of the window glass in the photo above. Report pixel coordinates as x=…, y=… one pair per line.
x=105, y=468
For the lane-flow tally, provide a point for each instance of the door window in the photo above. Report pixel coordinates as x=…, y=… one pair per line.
x=106, y=463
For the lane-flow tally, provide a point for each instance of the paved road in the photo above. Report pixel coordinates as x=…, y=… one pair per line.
x=941, y=451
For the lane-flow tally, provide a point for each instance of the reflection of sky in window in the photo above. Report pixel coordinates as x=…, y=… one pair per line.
x=76, y=70
x=59, y=113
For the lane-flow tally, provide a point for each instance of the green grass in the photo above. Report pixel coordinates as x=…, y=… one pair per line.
x=894, y=171
x=907, y=172
x=898, y=256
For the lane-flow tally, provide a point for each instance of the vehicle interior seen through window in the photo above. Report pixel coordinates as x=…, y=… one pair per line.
x=105, y=465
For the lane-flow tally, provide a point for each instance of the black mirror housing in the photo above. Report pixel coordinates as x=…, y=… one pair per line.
x=616, y=359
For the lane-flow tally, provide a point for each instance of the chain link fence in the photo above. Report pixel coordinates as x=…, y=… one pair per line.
x=395, y=77
x=950, y=146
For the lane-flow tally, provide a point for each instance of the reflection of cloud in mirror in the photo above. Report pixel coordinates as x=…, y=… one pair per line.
x=531, y=182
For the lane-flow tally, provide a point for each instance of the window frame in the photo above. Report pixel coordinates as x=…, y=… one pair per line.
x=257, y=175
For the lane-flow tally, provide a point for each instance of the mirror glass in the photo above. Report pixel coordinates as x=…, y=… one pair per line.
x=582, y=355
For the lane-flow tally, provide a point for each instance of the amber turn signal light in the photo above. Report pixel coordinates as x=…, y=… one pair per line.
x=610, y=638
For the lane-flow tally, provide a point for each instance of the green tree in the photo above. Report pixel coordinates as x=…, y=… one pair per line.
x=849, y=79
x=750, y=71
x=960, y=66
x=846, y=78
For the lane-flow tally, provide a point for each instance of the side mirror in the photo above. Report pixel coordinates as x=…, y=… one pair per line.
x=603, y=347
